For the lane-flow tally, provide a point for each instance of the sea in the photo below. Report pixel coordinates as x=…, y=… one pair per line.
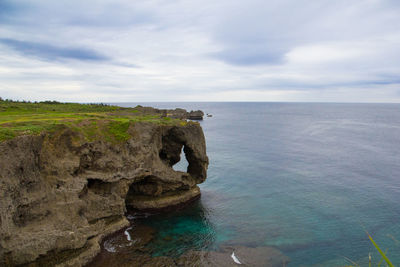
x=309, y=179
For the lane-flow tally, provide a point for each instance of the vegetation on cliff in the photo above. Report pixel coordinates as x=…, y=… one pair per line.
x=92, y=120
x=65, y=183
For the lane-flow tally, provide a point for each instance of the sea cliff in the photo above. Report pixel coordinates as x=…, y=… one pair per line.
x=61, y=192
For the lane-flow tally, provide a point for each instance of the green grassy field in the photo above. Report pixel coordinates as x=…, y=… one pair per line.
x=92, y=120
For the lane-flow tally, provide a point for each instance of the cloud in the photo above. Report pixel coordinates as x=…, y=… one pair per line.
x=7, y=9
x=50, y=52
x=75, y=13
x=115, y=14
x=263, y=32
x=250, y=54
x=162, y=50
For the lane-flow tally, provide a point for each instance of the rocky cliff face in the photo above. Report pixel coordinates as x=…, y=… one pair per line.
x=60, y=195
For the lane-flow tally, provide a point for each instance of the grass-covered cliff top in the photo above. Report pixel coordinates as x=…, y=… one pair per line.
x=92, y=120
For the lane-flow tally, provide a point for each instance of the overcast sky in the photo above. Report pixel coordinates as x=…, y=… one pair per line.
x=226, y=50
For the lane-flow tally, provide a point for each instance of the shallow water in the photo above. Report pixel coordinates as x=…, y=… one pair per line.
x=308, y=179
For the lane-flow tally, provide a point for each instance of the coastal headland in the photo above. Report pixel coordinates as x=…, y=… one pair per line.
x=69, y=172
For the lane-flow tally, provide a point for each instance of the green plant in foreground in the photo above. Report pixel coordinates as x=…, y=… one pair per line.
x=388, y=262
x=383, y=254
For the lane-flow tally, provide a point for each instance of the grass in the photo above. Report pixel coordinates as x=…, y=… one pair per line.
x=388, y=262
x=93, y=121
x=118, y=131
x=382, y=254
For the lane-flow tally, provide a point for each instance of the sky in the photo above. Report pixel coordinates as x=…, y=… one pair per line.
x=178, y=50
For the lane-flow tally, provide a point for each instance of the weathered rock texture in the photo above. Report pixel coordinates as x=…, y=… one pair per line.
x=60, y=195
x=196, y=115
x=177, y=113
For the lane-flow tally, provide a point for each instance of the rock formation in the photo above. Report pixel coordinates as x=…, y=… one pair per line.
x=177, y=113
x=60, y=195
x=195, y=115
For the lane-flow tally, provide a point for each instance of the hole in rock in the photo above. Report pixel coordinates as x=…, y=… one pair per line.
x=183, y=164
x=174, y=152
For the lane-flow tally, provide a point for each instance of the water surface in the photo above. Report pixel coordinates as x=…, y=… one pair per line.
x=308, y=179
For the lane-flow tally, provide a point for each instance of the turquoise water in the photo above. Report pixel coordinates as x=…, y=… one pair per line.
x=309, y=179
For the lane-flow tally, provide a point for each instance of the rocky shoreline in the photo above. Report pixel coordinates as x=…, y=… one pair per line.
x=129, y=248
x=60, y=195
x=66, y=200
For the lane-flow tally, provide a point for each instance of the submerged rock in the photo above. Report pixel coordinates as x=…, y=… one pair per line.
x=235, y=256
x=127, y=249
x=60, y=195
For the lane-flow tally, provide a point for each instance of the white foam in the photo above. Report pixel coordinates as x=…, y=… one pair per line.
x=128, y=236
x=236, y=260
x=131, y=217
x=109, y=247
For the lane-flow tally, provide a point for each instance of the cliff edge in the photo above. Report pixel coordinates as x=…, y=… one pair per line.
x=61, y=193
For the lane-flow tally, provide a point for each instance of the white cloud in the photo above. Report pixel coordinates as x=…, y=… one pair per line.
x=325, y=53
x=201, y=50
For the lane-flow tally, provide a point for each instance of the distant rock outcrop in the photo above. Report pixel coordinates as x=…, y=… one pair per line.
x=60, y=195
x=177, y=113
x=195, y=115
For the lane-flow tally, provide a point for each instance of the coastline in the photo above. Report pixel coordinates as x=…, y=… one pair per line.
x=64, y=192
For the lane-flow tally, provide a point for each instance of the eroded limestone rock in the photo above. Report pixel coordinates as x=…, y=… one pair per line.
x=177, y=113
x=195, y=115
x=60, y=195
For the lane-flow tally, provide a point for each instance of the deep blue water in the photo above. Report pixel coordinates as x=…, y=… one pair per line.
x=307, y=178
